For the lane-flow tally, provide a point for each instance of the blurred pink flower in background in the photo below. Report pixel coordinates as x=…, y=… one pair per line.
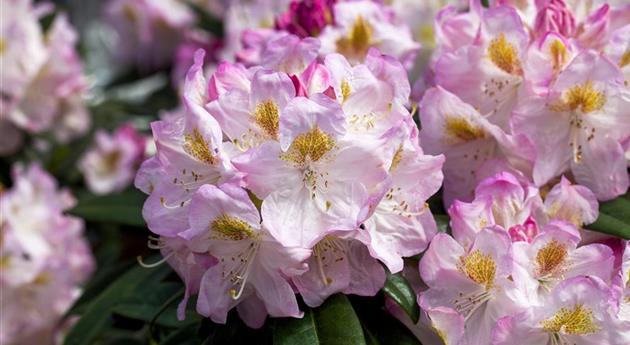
x=44, y=257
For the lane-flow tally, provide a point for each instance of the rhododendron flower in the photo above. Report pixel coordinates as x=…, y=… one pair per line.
x=488, y=72
x=112, y=162
x=252, y=265
x=305, y=180
x=577, y=311
x=400, y=223
x=502, y=200
x=468, y=140
x=189, y=154
x=148, y=32
x=579, y=126
x=554, y=256
x=44, y=257
x=360, y=25
x=339, y=264
x=44, y=93
x=476, y=282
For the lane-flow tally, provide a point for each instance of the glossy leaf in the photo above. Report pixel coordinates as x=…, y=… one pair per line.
x=614, y=217
x=98, y=314
x=334, y=322
x=399, y=290
x=122, y=208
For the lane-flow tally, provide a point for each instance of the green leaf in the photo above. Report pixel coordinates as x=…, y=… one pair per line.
x=98, y=314
x=148, y=305
x=485, y=3
x=398, y=289
x=334, y=322
x=614, y=217
x=121, y=208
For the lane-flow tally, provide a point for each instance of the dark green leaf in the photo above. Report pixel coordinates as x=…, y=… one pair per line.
x=485, y=3
x=614, y=217
x=442, y=222
x=334, y=322
x=122, y=208
x=147, y=305
x=383, y=328
x=398, y=289
x=97, y=316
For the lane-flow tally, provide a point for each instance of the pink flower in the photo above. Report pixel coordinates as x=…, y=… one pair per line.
x=45, y=93
x=44, y=256
x=148, y=32
x=339, y=264
x=469, y=142
x=554, y=256
x=576, y=312
x=252, y=265
x=190, y=154
x=488, y=72
x=361, y=25
x=400, y=223
x=578, y=126
x=110, y=165
x=477, y=282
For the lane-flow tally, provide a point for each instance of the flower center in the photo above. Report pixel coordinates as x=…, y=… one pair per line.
x=309, y=147
x=558, y=54
x=462, y=130
x=584, y=98
x=625, y=59
x=226, y=227
x=3, y=45
x=480, y=268
x=345, y=90
x=398, y=156
x=504, y=55
x=267, y=118
x=576, y=321
x=550, y=258
x=196, y=146
x=358, y=41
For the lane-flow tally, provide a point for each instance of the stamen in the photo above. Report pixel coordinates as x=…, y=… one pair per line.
x=155, y=264
x=327, y=251
x=238, y=277
x=467, y=304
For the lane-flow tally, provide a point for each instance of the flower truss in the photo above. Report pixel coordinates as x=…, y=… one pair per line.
x=272, y=183
x=298, y=169
x=43, y=259
x=42, y=82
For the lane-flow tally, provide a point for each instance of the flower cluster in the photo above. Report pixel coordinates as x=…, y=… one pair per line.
x=111, y=163
x=42, y=83
x=517, y=270
x=272, y=182
x=43, y=257
x=541, y=90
